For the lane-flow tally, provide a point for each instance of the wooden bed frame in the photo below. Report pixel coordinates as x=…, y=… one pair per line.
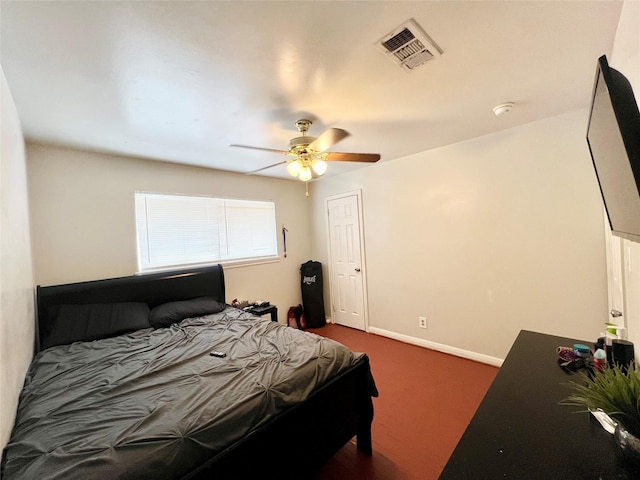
x=295, y=442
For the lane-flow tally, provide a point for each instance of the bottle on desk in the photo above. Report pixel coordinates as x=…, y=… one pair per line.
x=612, y=332
x=619, y=351
x=600, y=360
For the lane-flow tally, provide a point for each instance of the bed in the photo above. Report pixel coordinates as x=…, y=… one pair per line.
x=109, y=396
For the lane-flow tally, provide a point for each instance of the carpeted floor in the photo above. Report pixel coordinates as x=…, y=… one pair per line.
x=426, y=401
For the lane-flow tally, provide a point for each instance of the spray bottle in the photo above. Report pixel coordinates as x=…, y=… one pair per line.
x=600, y=360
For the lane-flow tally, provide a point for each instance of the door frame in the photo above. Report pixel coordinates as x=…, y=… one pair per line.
x=615, y=274
x=365, y=294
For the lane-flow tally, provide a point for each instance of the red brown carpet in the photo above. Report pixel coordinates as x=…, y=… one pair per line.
x=426, y=401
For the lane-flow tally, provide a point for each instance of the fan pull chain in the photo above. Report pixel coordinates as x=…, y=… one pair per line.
x=306, y=186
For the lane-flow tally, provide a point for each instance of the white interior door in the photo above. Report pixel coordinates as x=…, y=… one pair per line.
x=631, y=281
x=346, y=270
x=623, y=279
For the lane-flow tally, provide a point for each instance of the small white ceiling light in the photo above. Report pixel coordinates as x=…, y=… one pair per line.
x=503, y=108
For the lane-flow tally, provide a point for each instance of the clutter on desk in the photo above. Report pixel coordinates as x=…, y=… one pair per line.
x=611, y=348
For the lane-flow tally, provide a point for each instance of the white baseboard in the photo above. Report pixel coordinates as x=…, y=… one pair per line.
x=458, y=352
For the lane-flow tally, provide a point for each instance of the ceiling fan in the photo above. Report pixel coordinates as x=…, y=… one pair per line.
x=309, y=154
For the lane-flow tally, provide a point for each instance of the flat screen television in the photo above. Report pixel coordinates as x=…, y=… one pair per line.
x=613, y=136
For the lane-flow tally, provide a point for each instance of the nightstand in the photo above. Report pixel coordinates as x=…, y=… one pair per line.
x=270, y=309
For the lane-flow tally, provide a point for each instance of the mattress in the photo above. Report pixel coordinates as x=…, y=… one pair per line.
x=155, y=403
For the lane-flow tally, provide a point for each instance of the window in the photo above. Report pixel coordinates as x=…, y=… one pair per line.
x=177, y=230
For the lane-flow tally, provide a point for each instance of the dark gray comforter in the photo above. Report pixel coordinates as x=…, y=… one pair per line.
x=154, y=403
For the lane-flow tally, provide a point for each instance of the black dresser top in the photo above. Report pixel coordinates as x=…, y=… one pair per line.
x=520, y=431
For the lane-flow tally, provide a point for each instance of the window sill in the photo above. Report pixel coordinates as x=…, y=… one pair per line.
x=249, y=262
x=227, y=265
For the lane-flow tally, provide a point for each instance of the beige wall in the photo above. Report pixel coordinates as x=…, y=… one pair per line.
x=16, y=274
x=484, y=238
x=82, y=214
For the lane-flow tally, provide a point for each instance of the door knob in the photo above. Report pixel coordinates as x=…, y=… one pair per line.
x=357, y=269
x=615, y=313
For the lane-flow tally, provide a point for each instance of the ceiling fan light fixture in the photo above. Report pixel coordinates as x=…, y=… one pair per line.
x=305, y=174
x=308, y=156
x=294, y=167
x=319, y=166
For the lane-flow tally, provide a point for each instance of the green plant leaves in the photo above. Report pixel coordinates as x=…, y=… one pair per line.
x=615, y=391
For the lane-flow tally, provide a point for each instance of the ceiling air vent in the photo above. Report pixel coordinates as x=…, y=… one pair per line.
x=409, y=46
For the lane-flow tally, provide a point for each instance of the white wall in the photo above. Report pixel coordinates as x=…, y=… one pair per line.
x=16, y=275
x=625, y=57
x=484, y=238
x=83, y=223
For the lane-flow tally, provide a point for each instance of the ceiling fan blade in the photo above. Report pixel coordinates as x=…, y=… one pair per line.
x=352, y=157
x=327, y=139
x=283, y=152
x=264, y=168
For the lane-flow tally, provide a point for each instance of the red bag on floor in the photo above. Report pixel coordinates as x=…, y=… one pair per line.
x=295, y=318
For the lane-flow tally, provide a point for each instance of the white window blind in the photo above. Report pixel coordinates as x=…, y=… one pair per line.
x=176, y=230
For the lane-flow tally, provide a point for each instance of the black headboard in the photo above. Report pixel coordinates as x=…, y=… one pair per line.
x=153, y=289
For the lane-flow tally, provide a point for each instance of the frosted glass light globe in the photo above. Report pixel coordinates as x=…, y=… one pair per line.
x=305, y=174
x=319, y=166
x=293, y=168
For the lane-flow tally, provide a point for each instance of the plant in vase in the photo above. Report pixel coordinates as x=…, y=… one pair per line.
x=616, y=391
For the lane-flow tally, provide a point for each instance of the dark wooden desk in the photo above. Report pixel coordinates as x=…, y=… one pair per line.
x=521, y=432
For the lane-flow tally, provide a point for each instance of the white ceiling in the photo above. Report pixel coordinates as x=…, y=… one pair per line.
x=180, y=81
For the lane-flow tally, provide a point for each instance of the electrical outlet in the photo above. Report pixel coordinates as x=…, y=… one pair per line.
x=422, y=322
